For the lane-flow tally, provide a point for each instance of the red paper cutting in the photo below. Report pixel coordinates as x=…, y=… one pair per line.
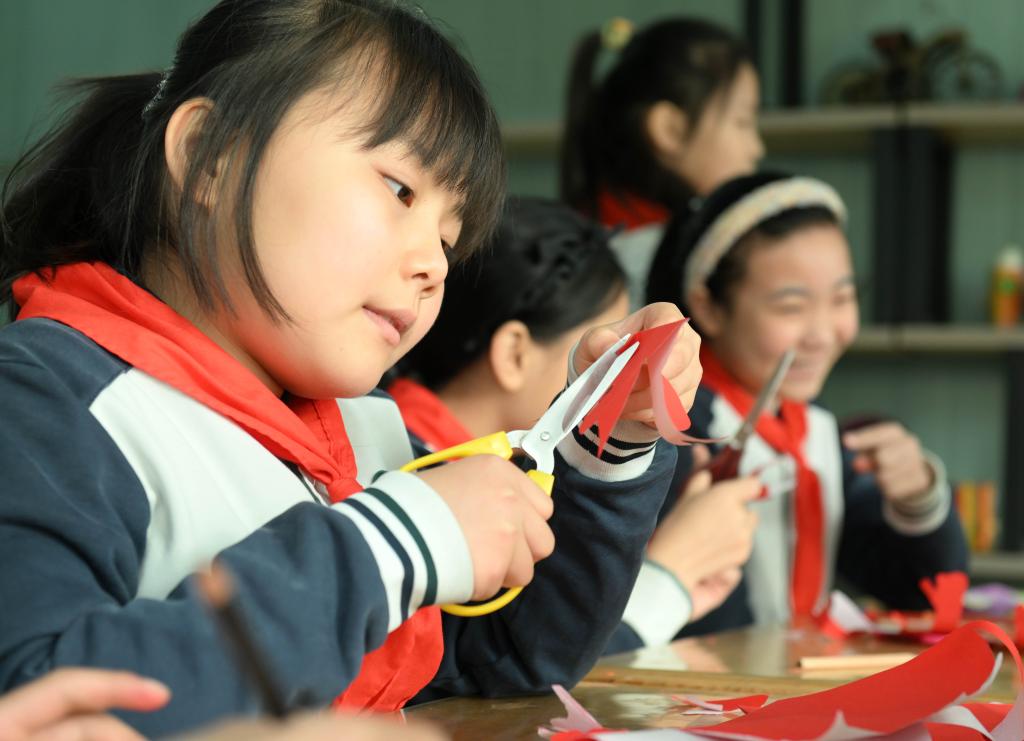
x=886, y=702
x=1018, y=625
x=654, y=347
x=946, y=595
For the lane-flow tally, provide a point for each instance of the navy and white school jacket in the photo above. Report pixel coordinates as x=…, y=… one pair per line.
x=115, y=487
x=870, y=544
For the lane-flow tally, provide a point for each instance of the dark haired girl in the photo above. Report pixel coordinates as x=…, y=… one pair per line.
x=763, y=267
x=674, y=116
x=210, y=269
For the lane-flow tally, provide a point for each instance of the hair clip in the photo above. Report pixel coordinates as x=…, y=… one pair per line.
x=158, y=96
x=616, y=33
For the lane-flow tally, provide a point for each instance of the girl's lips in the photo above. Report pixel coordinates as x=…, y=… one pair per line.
x=387, y=326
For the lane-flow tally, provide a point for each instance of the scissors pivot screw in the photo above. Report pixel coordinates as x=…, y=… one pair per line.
x=545, y=436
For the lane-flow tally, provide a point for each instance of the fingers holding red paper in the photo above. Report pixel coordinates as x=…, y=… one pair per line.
x=660, y=381
x=894, y=456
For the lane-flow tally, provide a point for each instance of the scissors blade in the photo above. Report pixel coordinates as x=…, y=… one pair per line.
x=768, y=392
x=569, y=409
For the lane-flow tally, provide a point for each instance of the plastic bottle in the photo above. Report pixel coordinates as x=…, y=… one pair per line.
x=1007, y=280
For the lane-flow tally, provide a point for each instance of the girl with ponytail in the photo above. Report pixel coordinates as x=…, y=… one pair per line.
x=209, y=271
x=674, y=115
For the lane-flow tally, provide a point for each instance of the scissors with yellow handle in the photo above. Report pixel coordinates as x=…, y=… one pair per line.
x=538, y=443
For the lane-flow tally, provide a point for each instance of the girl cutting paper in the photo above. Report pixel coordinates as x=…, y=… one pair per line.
x=764, y=266
x=494, y=360
x=210, y=270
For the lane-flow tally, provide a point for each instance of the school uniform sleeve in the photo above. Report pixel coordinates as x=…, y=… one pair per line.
x=886, y=549
x=604, y=513
x=317, y=585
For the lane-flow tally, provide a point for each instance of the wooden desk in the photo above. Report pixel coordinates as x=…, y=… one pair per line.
x=634, y=690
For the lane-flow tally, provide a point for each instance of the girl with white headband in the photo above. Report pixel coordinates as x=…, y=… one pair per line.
x=764, y=267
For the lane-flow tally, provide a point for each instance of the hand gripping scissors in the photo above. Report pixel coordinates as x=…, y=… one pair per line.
x=726, y=463
x=538, y=443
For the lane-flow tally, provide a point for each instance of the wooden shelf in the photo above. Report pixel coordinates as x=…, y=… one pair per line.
x=938, y=339
x=836, y=128
x=1001, y=566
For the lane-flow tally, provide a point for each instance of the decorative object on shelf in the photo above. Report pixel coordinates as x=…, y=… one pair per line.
x=942, y=68
x=1007, y=282
x=975, y=502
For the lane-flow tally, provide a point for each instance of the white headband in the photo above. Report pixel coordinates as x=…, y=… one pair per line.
x=748, y=212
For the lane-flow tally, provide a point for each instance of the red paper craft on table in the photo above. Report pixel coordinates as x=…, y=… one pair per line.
x=671, y=418
x=946, y=596
x=921, y=700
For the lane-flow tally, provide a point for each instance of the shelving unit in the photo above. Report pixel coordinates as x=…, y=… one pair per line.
x=939, y=339
x=998, y=566
x=837, y=128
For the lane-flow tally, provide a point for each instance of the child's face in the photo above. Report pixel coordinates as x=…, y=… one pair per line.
x=797, y=292
x=351, y=243
x=726, y=142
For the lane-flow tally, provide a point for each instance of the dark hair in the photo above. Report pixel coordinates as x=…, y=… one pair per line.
x=665, y=280
x=95, y=187
x=605, y=144
x=547, y=267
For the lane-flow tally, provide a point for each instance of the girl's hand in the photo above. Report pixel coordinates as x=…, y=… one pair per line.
x=707, y=536
x=502, y=514
x=682, y=369
x=895, y=457
x=711, y=591
x=72, y=703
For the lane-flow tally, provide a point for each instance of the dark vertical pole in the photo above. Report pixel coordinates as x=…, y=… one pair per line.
x=792, y=46
x=752, y=29
x=912, y=179
x=1012, y=495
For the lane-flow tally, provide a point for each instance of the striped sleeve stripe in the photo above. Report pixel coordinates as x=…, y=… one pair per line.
x=621, y=444
x=392, y=571
x=403, y=556
x=614, y=451
x=430, y=590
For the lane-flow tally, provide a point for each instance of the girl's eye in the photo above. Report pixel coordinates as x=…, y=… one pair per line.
x=402, y=192
x=448, y=249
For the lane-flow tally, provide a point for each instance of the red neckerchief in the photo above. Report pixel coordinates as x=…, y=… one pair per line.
x=629, y=211
x=137, y=327
x=785, y=433
x=426, y=416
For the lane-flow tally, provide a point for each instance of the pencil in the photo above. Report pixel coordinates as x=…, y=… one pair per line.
x=217, y=589
x=855, y=661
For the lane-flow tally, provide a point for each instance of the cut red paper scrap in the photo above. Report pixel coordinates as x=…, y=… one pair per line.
x=577, y=724
x=744, y=704
x=1018, y=625
x=896, y=703
x=946, y=596
x=654, y=347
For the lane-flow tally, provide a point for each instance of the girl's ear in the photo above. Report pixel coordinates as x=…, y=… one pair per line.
x=667, y=128
x=180, y=139
x=509, y=355
x=708, y=314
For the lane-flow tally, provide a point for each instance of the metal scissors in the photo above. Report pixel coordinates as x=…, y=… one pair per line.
x=726, y=462
x=538, y=442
